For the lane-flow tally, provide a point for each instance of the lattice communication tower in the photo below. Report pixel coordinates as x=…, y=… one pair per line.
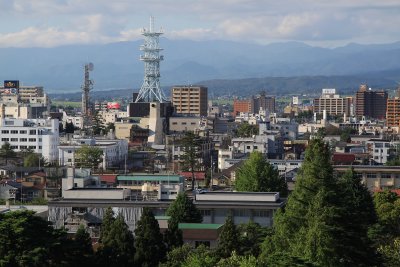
x=86, y=87
x=150, y=90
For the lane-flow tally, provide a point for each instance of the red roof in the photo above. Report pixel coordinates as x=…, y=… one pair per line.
x=343, y=158
x=108, y=178
x=197, y=175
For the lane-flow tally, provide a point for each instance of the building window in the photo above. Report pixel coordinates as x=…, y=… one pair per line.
x=32, y=147
x=23, y=147
x=240, y=213
x=248, y=147
x=22, y=132
x=14, y=131
x=386, y=175
x=32, y=132
x=205, y=212
x=371, y=175
x=174, y=123
x=5, y=131
x=5, y=139
x=261, y=213
x=14, y=139
x=32, y=139
x=23, y=139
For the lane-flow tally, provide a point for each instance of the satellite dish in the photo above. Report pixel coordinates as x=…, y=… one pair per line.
x=91, y=66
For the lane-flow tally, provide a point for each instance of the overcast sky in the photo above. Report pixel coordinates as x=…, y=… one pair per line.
x=328, y=23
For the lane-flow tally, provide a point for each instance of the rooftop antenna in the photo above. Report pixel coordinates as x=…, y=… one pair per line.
x=151, y=90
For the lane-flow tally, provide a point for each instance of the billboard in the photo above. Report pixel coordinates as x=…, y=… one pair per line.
x=113, y=105
x=330, y=91
x=8, y=84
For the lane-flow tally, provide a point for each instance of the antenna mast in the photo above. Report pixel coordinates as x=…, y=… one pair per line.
x=86, y=87
x=150, y=90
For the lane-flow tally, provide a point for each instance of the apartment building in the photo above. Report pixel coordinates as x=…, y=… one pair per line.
x=393, y=112
x=40, y=135
x=332, y=103
x=369, y=103
x=190, y=100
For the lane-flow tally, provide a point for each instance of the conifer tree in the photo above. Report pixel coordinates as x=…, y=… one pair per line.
x=182, y=210
x=150, y=249
x=228, y=240
x=108, y=220
x=319, y=223
x=81, y=249
x=117, y=245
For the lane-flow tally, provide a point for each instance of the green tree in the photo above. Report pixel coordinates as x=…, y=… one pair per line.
x=314, y=221
x=69, y=128
x=34, y=160
x=258, y=175
x=176, y=256
x=88, y=157
x=6, y=152
x=236, y=260
x=181, y=210
x=200, y=257
x=28, y=240
x=81, y=249
x=150, y=249
x=247, y=130
x=191, y=155
x=106, y=224
x=117, y=248
x=228, y=240
x=98, y=124
x=251, y=236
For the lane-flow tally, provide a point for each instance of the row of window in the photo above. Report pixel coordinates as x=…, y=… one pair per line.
x=25, y=147
x=4, y=139
x=183, y=123
x=242, y=213
x=31, y=132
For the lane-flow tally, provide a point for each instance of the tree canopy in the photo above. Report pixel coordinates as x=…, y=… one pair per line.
x=258, y=175
x=88, y=156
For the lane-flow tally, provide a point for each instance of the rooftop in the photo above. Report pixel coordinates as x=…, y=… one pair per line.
x=202, y=226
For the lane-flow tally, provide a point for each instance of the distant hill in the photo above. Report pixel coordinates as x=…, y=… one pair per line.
x=279, y=86
x=213, y=63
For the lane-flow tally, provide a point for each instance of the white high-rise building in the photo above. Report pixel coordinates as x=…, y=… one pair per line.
x=40, y=135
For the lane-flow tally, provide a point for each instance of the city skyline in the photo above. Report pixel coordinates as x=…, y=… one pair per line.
x=49, y=23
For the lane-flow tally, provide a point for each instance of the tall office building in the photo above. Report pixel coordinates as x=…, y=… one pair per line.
x=393, y=111
x=241, y=106
x=190, y=100
x=332, y=103
x=371, y=104
x=263, y=101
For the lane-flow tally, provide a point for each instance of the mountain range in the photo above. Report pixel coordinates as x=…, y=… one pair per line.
x=223, y=66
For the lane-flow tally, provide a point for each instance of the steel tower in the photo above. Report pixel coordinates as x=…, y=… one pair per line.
x=86, y=87
x=150, y=90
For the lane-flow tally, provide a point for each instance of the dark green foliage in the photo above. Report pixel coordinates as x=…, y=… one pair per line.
x=117, y=246
x=6, y=152
x=284, y=259
x=80, y=248
x=34, y=160
x=228, y=240
x=176, y=256
x=326, y=219
x=150, y=249
x=191, y=155
x=69, y=127
x=98, y=127
x=251, y=236
x=258, y=175
x=182, y=210
x=28, y=240
x=247, y=130
x=106, y=224
x=239, y=261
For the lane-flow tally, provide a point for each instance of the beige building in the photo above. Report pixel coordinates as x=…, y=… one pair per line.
x=180, y=124
x=123, y=130
x=332, y=103
x=190, y=100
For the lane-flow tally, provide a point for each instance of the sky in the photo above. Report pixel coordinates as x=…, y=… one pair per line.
x=326, y=23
